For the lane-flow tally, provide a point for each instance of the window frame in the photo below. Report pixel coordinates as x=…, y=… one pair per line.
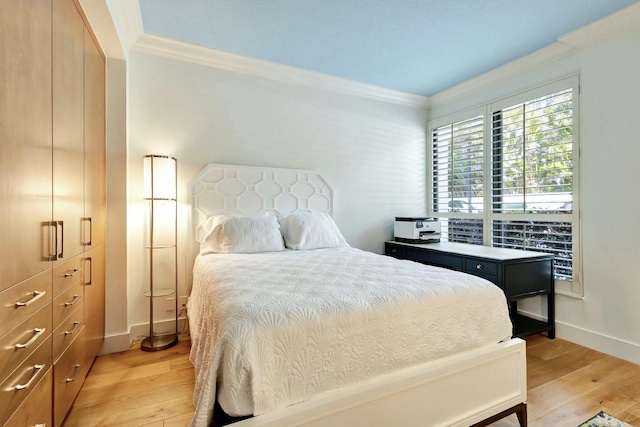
x=572, y=288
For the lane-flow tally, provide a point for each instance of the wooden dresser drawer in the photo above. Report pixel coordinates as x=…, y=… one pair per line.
x=66, y=302
x=21, y=301
x=36, y=409
x=67, y=274
x=68, y=329
x=19, y=385
x=69, y=374
x=23, y=340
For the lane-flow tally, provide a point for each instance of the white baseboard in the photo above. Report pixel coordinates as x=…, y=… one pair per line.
x=139, y=331
x=122, y=342
x=596, y=341
x=115, y=344
x=603, y=343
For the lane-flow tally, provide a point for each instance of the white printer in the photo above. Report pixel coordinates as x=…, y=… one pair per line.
x=416, y=230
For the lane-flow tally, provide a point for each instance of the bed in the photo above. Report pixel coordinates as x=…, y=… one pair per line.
x=292, y=326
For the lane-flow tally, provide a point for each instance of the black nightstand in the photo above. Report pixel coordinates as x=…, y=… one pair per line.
x=520, y=274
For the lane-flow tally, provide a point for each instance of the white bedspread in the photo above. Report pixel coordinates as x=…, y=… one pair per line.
x=274, y=329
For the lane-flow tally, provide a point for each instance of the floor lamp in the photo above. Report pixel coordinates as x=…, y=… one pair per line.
x=160, y=193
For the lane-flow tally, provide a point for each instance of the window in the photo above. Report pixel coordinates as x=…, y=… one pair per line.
x=505, y=175
x=458, y=177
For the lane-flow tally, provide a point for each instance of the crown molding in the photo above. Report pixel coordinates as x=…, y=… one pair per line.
x=604, y=28
x=127, y=19
x=174, y=49
x=540, y=58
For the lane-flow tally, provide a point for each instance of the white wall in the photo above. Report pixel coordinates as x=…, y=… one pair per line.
x=371, y=152
x=607, y=318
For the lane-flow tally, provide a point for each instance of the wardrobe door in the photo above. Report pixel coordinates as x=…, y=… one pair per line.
x=94, y=292
x=68, y=125
x=95, y=157
x=26, y=238
x=95, y=195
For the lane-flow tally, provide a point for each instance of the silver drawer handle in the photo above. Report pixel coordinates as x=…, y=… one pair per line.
x=37, y=369
x=71, y=273
x=75, y=300
x=78, y=367
x=41, y=425
x=36, y=296
x=37, y=334
x=479, y=267
x=90, y=275
x=88, y=219
x=76, y=325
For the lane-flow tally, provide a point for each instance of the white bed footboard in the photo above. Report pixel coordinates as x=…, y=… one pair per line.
x=460, y=390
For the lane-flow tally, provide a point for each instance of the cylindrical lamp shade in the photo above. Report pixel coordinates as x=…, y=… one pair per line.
x=160, y=194
x=160, y=177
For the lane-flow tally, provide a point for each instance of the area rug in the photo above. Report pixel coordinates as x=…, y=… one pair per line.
x=604, y=420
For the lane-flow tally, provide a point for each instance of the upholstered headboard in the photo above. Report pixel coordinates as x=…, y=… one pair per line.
x=237, y=190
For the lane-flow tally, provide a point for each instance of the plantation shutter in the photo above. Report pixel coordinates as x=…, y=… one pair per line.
x=458, y=166
x=533, y=155
x=532, y=175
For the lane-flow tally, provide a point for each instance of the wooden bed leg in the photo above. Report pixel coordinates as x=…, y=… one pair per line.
x=520, y=410
x=522, y=414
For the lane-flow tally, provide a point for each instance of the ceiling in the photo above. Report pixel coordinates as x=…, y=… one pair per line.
x=416, y=46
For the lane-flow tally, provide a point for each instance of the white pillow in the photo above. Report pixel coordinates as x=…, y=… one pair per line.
x=311, y=231
x=241, y=234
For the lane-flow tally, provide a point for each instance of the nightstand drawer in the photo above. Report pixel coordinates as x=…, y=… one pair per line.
x=479, y=266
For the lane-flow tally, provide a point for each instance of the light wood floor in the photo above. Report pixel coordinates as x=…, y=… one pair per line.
x=567, y=384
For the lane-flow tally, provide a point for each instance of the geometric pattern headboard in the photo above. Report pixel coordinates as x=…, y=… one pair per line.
x=236, y=190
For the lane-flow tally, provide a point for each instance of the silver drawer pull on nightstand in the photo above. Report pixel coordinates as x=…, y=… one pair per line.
x=479, y=267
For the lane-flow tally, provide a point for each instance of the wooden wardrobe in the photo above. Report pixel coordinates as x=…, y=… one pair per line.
x=52, y=208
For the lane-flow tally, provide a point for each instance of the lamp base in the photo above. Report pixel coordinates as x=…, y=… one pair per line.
x=160, y=342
